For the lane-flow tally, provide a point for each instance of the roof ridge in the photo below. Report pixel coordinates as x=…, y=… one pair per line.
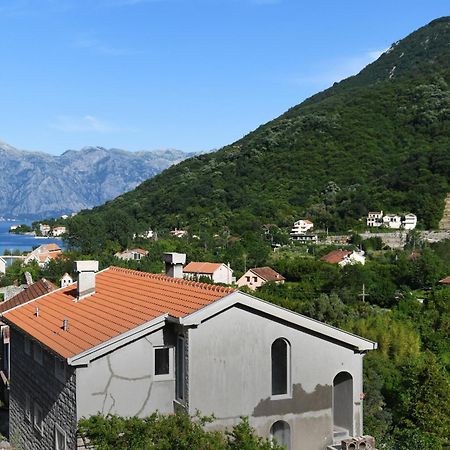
x=182, y=281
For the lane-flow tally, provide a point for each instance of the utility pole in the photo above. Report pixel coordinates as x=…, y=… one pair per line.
x=363, y=294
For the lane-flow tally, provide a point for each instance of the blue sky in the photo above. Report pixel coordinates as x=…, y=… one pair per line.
x=187, y=74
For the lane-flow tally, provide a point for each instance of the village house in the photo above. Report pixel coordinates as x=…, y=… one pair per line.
x=409, y=221
x=344, y=257
x=375, y=219
x=299, y=232
x=66, y=280
x=178, y=233
x=58, y=231
x=445, y=281
x=258, y=276
x=44, y=254
x=301, y=226
x=44, y=229
x=131, y=343
x=134, y=254
x=392, y=221
x=216, y=272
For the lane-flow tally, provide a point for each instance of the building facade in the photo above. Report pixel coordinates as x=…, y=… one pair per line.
x=214, y=349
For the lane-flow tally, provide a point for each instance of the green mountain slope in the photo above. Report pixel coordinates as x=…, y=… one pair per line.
x=378, y=140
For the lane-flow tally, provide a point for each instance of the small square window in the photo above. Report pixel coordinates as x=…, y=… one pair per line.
x=255, y=279
x=27, y=407
x=26, y=346
x=248, y=279
x=37, y=353
x=60, y=438
x=60, y=369
x=163, y=363
x=38, y=419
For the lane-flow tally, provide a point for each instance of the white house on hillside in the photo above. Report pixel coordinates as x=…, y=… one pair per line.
x=375, y=219
x=392, y=221
x=216, y=272
x=301, y=226
x=409, y=221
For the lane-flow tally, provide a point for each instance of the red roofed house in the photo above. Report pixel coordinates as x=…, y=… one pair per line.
x=44, y=254
x=258, y=276
x=216, y=272
x=344, y=257
x=131, y=343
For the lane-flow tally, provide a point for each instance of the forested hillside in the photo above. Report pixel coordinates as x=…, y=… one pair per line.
x=378, y=140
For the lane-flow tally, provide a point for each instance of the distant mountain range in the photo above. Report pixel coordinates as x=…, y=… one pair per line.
x=35, y=184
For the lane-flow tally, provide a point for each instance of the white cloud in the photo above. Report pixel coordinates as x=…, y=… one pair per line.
x=88, y=123
x=96, y=46
x=337, y=70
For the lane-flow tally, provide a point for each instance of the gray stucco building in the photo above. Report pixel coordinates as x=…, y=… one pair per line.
x=130, y=343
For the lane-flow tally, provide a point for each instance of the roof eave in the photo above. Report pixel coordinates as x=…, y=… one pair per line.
x=358, y=343
x=87, y=356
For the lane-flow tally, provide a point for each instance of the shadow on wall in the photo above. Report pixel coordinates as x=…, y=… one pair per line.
x=301, y=402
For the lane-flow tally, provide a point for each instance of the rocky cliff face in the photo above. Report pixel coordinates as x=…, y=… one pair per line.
x=36, y=184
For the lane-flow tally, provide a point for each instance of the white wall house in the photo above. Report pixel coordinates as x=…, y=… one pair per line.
x=216, y=272
x=375, y=219
x=58, y=231
x=409, y=221
x=392, y=221
x=301, y=227
x=344, y=257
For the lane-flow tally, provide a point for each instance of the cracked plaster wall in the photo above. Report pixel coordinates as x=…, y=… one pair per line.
x=230, y=360
x=122, y=382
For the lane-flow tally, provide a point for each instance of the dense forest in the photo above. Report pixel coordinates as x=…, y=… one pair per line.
x=378, y=140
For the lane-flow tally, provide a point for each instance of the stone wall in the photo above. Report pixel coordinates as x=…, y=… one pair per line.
x=56, y=398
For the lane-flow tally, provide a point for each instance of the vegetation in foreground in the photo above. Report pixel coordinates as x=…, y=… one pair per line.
x=167, y=432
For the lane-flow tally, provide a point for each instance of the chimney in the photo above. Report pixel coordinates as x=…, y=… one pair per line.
x=86, y=277
x=28, y=278
x=174, y=264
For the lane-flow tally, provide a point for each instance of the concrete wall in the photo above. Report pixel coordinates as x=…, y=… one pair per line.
x=55, y=397
x=230, y=359
x=122, y=382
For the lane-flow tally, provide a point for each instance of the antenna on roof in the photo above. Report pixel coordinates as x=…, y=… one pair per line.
x=36, y=311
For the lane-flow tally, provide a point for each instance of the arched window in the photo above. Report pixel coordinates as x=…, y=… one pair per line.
x=281, y=433
x=280, y=367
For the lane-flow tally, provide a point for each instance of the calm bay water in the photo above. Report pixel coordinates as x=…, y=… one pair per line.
x=11, y=242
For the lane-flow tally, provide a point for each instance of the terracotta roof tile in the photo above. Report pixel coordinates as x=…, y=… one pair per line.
x=336, y=256
x=201, y=267
x=124, y=299
x=33, y=291
x=445, y=280
x=267, y=274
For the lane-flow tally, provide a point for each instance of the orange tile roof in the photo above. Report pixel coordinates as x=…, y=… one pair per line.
x=124, y=299
x=445, y=280
x=336, y=256
x=49, y=247
x=201, y=267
